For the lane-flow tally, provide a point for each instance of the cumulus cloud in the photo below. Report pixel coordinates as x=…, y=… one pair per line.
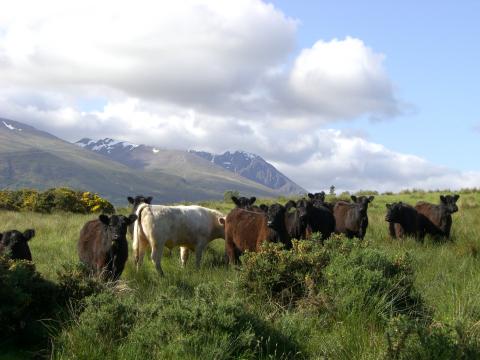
x=212, y=75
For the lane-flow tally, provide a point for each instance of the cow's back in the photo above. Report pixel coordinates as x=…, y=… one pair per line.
x=340, y=213
x=433, y=219
x=245, y=229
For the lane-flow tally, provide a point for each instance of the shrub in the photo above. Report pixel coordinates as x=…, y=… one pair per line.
x=171, y=327
x=26, y=299
x=353, y=277
x=58, y=199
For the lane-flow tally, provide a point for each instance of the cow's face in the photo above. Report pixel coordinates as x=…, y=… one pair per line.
x=304, y=208
x=394, y=212
x=15, y=244
x=362, y=200
x=450, y=202
x=320, y=196
x=276, y=216
x=139, y=199
x=244, y=202
x=116, y=226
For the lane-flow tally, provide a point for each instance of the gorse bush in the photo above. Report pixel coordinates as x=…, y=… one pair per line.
x=350, y=275
x=202, y=326
x=58, y=199
x=26, y=299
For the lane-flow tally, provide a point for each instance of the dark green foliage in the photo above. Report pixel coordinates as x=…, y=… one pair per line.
x=26, y=298
x=202, y=326
x=58, y=199
x=353, y=277
x=75, y=283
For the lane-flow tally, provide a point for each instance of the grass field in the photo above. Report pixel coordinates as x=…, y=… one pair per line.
x=447, y=276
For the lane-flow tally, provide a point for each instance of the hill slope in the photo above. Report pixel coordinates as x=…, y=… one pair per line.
x=36, y=159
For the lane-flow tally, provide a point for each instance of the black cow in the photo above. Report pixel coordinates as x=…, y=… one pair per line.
x=403, y=220
x=15, y=244
x=244, y=202
x=320, y=218
x=135, y=202
x=438, y=218
x=103, y=244
x=296, y=219
x=318, y=199
x=351, y=219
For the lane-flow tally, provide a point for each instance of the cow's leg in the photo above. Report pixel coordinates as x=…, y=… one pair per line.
x=199, y=252
x=184, y=252
x=156, y=257
x=139, y=252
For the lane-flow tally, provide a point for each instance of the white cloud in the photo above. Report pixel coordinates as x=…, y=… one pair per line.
x=211, y=75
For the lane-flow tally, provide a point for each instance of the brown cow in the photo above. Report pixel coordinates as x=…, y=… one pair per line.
x=103, y=244
x=351, y=219
x=247, y=230
x=437, y=219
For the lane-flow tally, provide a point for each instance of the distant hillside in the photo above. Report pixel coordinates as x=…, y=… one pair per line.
x=237, y=166
x=36, y=159
x=253, y=167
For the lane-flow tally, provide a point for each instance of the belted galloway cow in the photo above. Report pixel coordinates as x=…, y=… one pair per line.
x=190, y=227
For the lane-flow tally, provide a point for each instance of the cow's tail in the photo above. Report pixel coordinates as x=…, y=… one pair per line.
x=137, y=233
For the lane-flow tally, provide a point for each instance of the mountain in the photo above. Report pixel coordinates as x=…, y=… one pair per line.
x=30, y=158
x=253, y=167
x=239, y=164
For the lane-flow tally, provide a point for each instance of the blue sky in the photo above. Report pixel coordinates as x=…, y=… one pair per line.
x=296, y=82
x=432, y=53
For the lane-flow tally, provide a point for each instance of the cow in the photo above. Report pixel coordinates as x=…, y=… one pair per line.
x=247, y=230
x=135, y=202
x=318, y=200
x=15, y=244
x=403, y=220
x=437, y=218
x=102, y=245
x=320, y=218
x=244, y=202
x=351, y=219
x=190, y=227
x=296, y=220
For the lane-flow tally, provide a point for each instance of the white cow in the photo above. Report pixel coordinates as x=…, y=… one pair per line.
x=190, y=227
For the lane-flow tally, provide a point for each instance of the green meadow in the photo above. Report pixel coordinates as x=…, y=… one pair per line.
x=210, y=314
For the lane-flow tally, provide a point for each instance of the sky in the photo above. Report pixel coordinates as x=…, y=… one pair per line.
x=361, y=95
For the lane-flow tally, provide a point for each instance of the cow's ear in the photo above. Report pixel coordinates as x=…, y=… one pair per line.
x=130, y=200
x=370, y=198
x=252, y=200
x=443, y=199
x=235, y=200
x=104, y=219
x=221, y=221
x=264, y=207
x=354, y=198
x=456, y=197
x=311, y=196
x=388, y=206
x=148, y=200
x=28, y=234
x=131, y=219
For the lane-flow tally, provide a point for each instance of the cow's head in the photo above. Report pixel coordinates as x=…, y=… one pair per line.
x=15, y=244
x=394, y=212
x=449, y=202
x=304, y=208
x=244, y=202
x=139, y=199
x=362, y=200
x=276, y=216
x=263, y=208
x=320, y=196
x=115, y=226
